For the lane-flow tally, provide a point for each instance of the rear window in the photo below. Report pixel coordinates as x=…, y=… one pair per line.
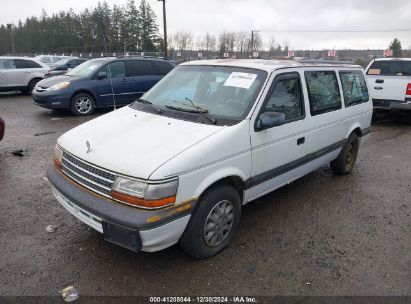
x=163, y=67
x=140, y=68
x=354, y=87
x=390, y=68
x=323, y=91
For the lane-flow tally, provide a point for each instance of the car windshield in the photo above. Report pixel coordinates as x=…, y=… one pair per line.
x=221, y=92
x=87, y=69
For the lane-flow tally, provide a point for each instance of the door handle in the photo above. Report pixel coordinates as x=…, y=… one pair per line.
x=300, y=141
x=378, y=88
x=379, y=81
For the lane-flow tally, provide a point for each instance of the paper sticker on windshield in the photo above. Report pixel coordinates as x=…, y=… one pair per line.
x=240, y=80
x=374, y=71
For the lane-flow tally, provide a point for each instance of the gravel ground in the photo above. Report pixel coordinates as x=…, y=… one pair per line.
x=321, y=235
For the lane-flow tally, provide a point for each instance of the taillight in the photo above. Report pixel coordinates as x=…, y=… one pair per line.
x=408, y=89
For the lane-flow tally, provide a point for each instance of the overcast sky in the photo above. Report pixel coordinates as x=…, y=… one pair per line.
x=214, y=16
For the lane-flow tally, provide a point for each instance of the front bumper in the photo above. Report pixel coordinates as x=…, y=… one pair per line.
x=51, y=99
x=153, y=229
x=392, y=104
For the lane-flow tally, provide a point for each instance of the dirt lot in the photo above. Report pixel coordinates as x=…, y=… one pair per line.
x=321, y=235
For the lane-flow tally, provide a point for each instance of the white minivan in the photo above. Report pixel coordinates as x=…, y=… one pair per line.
x=389, y=80
x=177, y=165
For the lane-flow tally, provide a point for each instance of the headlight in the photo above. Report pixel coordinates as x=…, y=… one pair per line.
x=142, y=194
x=57, y=156
x=59, y=86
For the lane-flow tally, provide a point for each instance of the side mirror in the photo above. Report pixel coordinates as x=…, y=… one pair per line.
x=269, y=120
x=101, y=75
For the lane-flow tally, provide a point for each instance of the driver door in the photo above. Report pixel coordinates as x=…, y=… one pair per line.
x=279, y=151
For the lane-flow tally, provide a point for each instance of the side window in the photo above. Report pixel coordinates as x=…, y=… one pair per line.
x=21, y=64
x=32, y=65
x=354, y=87
x=163, y=67
x=7, y=64
x=45, y=59
x=117, y=69
x=286, y=97
x=323, y=91
x=140, y=68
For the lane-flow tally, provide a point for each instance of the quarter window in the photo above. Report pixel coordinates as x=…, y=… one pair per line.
x=354, y=87
x=286, y=98
x=323, y=92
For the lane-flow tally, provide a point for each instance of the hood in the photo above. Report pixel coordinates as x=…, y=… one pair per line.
x=133, y=143
x=48, y=82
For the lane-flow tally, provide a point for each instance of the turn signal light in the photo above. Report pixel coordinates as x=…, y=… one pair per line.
x=139, y=202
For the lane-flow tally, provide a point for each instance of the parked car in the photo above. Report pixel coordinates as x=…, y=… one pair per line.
x=50, y=60
x=20, y=74
x=179, y=164
x=103, y=82
x=389, y=80
x=2, y=128
x=63, y=66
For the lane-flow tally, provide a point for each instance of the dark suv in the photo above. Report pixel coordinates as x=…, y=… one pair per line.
x=102, y=82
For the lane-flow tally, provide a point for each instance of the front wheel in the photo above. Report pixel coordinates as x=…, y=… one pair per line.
x=345, y=161
x=214, y=222
x=82, y=104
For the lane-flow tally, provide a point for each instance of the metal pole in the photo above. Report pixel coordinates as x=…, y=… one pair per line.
x=165, y=29
x=252, y=43
x=10, y=28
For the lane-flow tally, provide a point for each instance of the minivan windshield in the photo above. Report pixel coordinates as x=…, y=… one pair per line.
x=63, y=61
x=221, y=92
x=87, y=69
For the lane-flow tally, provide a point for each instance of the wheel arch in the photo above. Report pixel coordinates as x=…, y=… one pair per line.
x=356, y=128
x=86, y=91
x=233, y=180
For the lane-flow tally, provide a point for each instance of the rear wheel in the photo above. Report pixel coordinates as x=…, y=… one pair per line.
x=82, y=104
x=345, y=161
x=214, y=222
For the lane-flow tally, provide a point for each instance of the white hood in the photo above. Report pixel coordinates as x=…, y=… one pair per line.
x=133, y=143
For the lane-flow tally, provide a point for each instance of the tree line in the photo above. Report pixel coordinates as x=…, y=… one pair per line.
x=130, y=27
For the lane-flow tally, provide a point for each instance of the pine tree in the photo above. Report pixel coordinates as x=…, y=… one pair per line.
x=148, y=27
x=396, y=48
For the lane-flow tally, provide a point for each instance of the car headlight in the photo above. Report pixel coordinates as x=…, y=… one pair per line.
x=59, y=86
x=143, y=194
x=57, y=154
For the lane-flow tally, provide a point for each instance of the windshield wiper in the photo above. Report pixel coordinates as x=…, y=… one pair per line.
x=142, y=100
x=193, y=109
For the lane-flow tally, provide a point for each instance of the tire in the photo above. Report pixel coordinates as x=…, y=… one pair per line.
x=345, y=161
x=31, y=86
x=82, y=104
x=219, y=210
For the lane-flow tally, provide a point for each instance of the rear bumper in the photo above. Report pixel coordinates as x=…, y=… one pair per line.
x=392, y=104
x=155, y=229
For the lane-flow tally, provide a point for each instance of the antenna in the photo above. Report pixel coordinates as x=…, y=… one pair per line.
x=111, y=78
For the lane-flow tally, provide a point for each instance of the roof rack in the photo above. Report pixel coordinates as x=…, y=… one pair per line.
x=325, y=61
x=139, y=56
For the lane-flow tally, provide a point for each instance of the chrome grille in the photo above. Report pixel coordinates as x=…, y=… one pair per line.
x=96, y=179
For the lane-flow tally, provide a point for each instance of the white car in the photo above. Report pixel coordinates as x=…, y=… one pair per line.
x=389, y=80
x=50, y=60
x=211, y=136
x=20, y=73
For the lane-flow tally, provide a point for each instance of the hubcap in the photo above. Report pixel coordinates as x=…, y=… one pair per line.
x=83, y=104
x=218, y=223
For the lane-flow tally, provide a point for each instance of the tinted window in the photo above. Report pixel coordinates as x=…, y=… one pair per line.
x=140, y=68
x=163, y=67
x=7, y=64
x=354, y=87
x=21, y=64
x=115, y=69
x=286, y=98
x=323, y=91
x=32, y=64
x=390, y=68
